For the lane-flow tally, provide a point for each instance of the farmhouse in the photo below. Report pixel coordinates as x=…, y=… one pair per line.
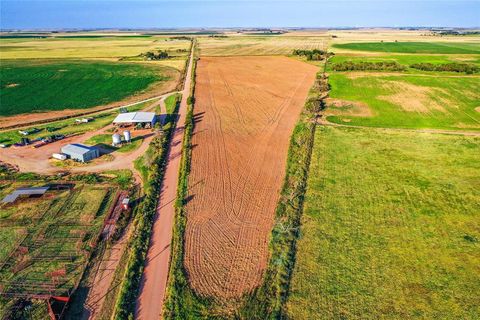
x=130, y=118
x=80, y=152
x=24, y=192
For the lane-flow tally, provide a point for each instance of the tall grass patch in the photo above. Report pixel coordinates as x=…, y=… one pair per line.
x=390, y=228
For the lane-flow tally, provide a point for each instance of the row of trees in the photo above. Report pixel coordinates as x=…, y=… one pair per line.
x=370, y=66
x=152, y=56
x=315, y=54
x=450, y=67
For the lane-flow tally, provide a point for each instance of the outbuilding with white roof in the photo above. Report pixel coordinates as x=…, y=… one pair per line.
x=136, y=117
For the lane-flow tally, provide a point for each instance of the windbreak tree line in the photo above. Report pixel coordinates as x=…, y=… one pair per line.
x=364, y=65
x=152, y=56
x=315, y=54
x=450, y=67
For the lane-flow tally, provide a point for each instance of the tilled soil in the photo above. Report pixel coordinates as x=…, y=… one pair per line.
x=245, y=111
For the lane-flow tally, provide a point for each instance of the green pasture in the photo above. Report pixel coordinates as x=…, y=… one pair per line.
x=408, y=59
x=413, y=47
x=449, y=102
x=31, y=86
x=391, y=227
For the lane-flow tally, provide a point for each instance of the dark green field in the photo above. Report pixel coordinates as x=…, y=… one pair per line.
x=28, y=86
x=413, y=47
x=391, y=227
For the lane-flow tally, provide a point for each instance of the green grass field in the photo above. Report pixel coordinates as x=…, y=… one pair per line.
x=56, y=85
x=409, y=101
x=390, y=228
x=409, y=59
x=413, y=47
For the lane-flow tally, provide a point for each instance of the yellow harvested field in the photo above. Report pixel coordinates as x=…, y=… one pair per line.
x=102, y=47
x=254, y=45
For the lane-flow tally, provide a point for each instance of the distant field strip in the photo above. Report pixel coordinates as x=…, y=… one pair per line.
x=245, y=110
x=87, y=47
x=56, y=85
x=413, y=47
x=391, y=228
x=255, y=45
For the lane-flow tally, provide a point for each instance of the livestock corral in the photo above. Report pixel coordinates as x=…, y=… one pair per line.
x=246, y=108
x=47, y=240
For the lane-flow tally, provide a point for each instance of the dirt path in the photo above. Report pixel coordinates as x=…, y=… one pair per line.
x=154, y=278
x=103, y=278
x=325, y=122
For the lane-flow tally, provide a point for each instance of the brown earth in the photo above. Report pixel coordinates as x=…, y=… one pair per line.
x=245, y=110
x=414, y=98
x=477, y=109
x=345, y=107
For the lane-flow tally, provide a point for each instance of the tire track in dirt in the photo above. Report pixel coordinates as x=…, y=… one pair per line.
x=247, y=108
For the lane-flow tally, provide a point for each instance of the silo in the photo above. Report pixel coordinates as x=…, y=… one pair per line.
x=127, y=136
x=116, y=138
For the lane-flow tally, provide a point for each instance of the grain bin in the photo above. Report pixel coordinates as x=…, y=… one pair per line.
x=127, y=136
x=116, y=139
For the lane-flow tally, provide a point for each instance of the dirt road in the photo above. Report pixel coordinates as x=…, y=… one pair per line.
x=154, y=279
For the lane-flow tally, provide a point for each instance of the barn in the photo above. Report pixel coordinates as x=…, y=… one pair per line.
x=132, y=118
x=80, y=152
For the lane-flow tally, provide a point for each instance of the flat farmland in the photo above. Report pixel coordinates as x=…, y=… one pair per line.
x=253, y=45
x=245, y=110
x=390, y=228
x=405, y=101
x=88, y=47
x=52, y=85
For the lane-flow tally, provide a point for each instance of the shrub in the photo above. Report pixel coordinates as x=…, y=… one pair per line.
x=370, y=66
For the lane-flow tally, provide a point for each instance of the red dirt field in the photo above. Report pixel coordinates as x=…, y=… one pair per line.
x=245, y=111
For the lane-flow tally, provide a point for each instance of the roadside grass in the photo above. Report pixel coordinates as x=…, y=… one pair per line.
x=52, y=85
x=390, y=228
x=68, y=126
x=171, y=102
x=413, y=47
x=410, y=101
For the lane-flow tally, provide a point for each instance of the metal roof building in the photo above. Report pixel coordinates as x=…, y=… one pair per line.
x=136, y=117
x=81, y=152
x=12, y=197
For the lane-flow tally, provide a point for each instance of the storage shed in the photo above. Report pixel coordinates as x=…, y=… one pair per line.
x=136, y=117
x=24, y=192
x=81, y=152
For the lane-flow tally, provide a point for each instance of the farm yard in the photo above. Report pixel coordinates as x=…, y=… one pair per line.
x=49, y=239
x=244, y=112
x=390, y=227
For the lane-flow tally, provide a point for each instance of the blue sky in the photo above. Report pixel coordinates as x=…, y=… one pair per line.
x=37, y=14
